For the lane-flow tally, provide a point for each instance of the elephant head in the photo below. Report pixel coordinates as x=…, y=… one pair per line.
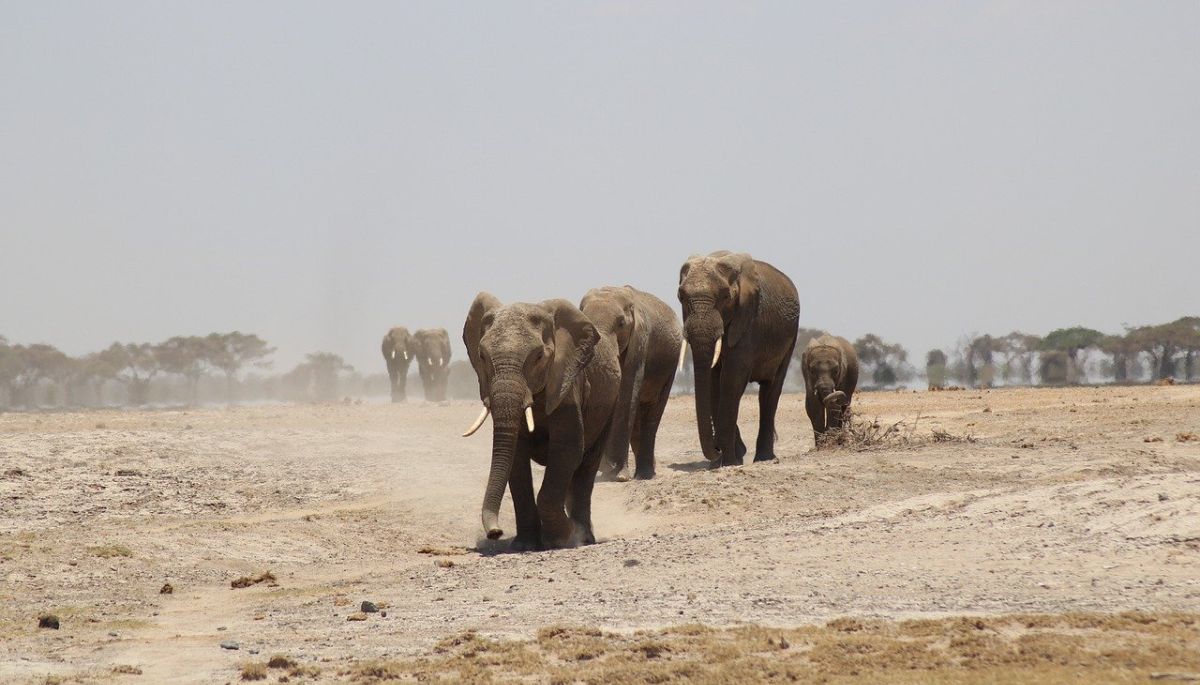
x=527, y=358
x=824, y=365
x=613, y=310
x=719, y=295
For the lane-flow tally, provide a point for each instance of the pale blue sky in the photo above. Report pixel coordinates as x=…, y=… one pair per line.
x=318, y=172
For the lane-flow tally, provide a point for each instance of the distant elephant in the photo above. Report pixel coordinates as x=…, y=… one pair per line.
x=649, y=339
x=740, y=317
x=398, y=353
x=547, y=362
x=830, y=368
x=432, y=349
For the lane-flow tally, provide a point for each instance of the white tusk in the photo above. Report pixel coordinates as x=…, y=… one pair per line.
x=439, y=361
x=529, y=418
x=682, y=353
x=406, y=355
x=393, y=354
x=478, y=422
x=429, y=360
x=717, y=353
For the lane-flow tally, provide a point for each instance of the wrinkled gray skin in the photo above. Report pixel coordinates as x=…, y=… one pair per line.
x=648, y=338
x=550, y=357
x=830, y=368
x=431, y=346
x=398, y=353
x=753, y=308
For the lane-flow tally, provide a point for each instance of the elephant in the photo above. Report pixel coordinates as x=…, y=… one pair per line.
x=649, y=339
x=830, y=368
x=398, y=353
x=548, y=362
x=740, y=317
x=432, y=349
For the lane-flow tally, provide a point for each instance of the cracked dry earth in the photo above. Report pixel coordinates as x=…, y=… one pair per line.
x=1065, y=500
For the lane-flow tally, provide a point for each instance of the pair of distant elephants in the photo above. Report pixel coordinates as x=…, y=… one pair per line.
x=430, y=347
x=574, y=387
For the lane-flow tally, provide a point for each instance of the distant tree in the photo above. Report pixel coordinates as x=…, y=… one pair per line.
x=1123, y=350
x=36, y=363
x=137, y=364
x=98, y=368
x=324, y=369
x=887, y=362
x=1187, y=331
x=1054, y=367
x=935, y=368
x=188, y=356
x=1019, y=350
x=1164, y=342
x=1075, y=343
x=10, y=366
x=231, y=352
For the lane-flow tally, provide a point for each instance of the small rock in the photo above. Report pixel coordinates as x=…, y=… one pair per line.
x=1162, y=497
x=383, y=614
x=252, y=651
x=444, y=563
x=48, y=621
x=230, y=644
x=631, y=562
x=368, y=607
x=112, y=635
x=167, y=589
x=360, y=616
x=221, y=628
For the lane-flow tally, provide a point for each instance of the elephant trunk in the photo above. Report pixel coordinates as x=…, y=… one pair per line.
x=703, y=329
x=508, y=401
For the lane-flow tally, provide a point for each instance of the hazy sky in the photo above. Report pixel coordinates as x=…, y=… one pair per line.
x=318, y=172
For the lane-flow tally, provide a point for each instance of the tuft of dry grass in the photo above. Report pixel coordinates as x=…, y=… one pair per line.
x=281, y=661
x=126, y=669
x=253, y=670
x=110, y=551
x=1028, y=648
x=248, y=581
x=441, y=551
x=861, y=435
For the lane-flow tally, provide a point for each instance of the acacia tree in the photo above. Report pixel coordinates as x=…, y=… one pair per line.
x=35, y=363
x=231, y=352
x=935, y=368
x=9, y=368
x=323, y=369
x=137, y=364
x=98, y=368
x=188, y=356
x=887, y=361
x=1019, y=350
x=1123, y=350
x=1075, y=343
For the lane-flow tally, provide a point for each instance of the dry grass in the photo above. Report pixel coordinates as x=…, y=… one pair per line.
x=253, y=670
x=110, y=551
x=247, y=581
x=860, y=435
x=1085, y=648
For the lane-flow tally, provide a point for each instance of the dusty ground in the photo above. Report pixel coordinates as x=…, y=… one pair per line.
x=1068, y=502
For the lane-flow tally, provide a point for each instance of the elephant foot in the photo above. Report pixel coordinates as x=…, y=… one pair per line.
x=643, y=474
x=526, y=542
x=765, y=456
x=571, y=537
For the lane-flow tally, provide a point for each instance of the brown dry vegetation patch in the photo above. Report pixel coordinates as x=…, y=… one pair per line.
x=1034, y=648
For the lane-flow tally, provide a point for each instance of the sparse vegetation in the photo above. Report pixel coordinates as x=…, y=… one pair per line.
x=110, y=551
x=254, y=670
x=248, y=581
x=1016, y=648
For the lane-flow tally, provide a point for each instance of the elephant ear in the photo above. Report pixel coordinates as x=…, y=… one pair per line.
x=473, y=331
x=808, y=383
x=575, y=341
x=743, y=279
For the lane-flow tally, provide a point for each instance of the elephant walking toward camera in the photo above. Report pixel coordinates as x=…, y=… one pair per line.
x=830, y=368
x=398, y=353
x=432, y=349
x=740, y=317
x=649, y=339
x=549, y=379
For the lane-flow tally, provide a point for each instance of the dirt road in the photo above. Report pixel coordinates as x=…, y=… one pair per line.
x=1036, y=501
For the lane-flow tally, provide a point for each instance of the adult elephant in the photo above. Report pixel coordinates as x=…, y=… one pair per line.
x=432, y=348
x=830, y=367
x=398, y=353
x=649, y=338
x=740, y=317
x=547, y=363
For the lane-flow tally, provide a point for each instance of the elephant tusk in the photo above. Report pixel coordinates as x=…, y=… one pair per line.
x=717, y=353
x=529, y=418
x=478, y=422
x=406, y=355
x=682, y=353
x=430, y=360
x=393, y=354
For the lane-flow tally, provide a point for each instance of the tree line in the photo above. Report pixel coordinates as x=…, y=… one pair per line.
x=229, y=367
x=179, y=370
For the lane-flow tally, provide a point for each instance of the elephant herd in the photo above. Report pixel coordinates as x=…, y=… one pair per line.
x=575, y=388
x=430, y=347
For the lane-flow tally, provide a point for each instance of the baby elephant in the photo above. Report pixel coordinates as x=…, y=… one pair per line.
x=830, y=376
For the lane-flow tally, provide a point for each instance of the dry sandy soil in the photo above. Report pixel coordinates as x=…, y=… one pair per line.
x=1064, y=509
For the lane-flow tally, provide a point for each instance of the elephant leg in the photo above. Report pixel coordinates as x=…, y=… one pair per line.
x=582, y=483
x=768, y=405
x=520, y=486
x=564, y=458
x=649, y=417
x=734, y=378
